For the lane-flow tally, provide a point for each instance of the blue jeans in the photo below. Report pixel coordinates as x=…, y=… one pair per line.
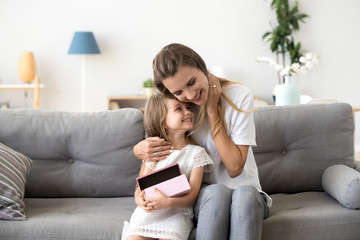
x=221, y=213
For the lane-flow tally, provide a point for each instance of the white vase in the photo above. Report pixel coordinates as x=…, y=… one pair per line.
x=287, y=93
x=149, y=92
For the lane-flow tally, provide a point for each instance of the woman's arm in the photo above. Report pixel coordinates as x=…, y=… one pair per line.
x=232, y=156
x=187, y=200
x=147, y=148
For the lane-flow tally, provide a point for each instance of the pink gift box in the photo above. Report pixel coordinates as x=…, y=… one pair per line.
x=168, y=180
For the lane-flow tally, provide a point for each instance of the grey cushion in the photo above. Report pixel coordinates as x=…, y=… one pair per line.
x=14, y=168
x=71, y=219
x=76, y=154
x=343, y=184
x=357, y=165
x=310, y=216
x=296, y=144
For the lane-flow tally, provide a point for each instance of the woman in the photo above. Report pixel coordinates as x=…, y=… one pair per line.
x=231, y=204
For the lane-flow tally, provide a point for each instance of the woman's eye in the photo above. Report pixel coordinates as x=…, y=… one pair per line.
x=191, y=82
x=178, y=93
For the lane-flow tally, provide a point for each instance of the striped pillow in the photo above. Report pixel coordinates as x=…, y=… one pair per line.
x=14, y=167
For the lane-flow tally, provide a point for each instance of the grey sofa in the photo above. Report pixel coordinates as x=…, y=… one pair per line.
x=83, y=175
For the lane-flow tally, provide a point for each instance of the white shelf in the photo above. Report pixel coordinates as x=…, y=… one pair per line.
x=19, y=86
x=35, y=87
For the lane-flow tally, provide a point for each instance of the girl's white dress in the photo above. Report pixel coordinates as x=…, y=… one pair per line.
x=169, y=223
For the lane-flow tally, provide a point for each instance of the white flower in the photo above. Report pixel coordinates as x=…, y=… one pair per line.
x=302, y=70
x=285, y=71
x=306, y=62
x=295, y=67
x=308, y=56
x=309, y=65
x=271, y=63
x=315, y=59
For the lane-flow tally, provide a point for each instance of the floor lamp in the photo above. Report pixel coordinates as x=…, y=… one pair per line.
x=83, y=43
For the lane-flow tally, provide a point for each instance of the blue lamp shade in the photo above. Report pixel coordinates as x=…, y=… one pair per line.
x=84, y=43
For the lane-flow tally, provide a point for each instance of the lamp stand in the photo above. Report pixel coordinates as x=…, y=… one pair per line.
x=83, y=43
x=83, y=83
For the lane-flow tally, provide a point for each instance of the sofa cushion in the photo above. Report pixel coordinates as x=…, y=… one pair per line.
x=343, y=184
x=297, y=143
x=357, y=165
x=14, y=168
x=310, y=216
x=76, y=154
x=71, y=218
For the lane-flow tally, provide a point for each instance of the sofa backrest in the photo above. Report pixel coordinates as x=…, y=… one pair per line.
x=295, y=144
x=90, y=154
x=76, y=154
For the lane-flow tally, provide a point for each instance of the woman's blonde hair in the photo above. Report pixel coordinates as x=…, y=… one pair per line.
x=166, y=64
x=154, y=118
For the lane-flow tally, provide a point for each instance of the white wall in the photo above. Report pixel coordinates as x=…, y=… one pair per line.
x=130, y=33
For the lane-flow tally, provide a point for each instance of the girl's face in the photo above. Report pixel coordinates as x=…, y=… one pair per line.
x=189, y=84
x=180, y=116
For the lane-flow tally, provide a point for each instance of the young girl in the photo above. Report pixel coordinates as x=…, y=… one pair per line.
x=165, y=217
x=232, y=195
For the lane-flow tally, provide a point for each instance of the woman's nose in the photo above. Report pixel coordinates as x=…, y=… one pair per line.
x=190, y=95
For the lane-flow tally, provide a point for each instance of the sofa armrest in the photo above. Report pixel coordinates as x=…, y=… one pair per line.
x=357, y=165
x=343, y=183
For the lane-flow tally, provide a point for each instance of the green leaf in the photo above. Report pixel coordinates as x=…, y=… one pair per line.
x=281, y=38
x=266, y=35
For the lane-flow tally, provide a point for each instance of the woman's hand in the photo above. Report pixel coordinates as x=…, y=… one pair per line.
x=161, y=202
x=215, y=92
x=153, y=149
x=142, y=202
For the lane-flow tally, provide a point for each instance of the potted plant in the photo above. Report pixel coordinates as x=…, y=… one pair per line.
x=289, y=58
x=148, y=85
x=280, y=38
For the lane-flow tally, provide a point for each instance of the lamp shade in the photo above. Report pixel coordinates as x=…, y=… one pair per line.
x=84, y=43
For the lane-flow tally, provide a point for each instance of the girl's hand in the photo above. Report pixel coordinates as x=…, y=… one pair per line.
x=153, y=149
x=141, y=202
x=215, y=92
x=160, y=202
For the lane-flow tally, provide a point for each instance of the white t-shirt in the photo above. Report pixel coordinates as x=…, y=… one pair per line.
x=241, y=130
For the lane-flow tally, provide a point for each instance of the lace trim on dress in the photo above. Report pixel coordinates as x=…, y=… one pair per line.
x=149, y=164
x=202, y=159
x=154, y=233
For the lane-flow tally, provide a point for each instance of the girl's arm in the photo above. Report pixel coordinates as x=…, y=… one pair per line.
x=140, y=195
x=187, y=200
x=232, y=156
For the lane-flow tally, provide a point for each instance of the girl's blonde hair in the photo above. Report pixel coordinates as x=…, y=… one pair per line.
x=166, y=64
x=154, y=118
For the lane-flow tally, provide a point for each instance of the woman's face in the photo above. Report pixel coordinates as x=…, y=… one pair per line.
x=189, y=84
